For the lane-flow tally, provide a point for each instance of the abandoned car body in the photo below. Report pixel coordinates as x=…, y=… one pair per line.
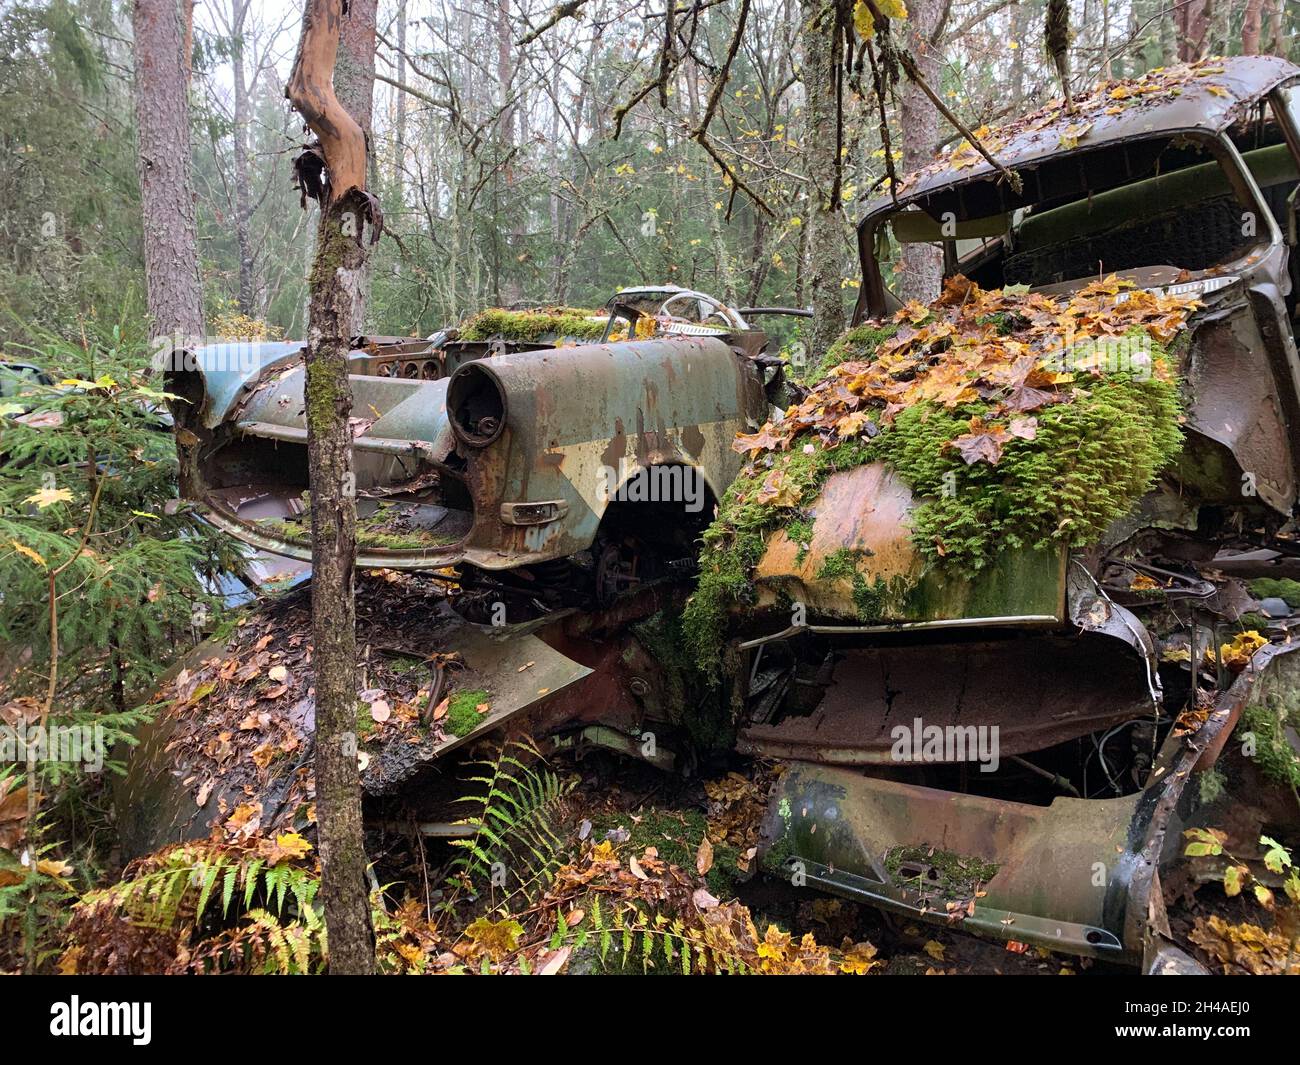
x=1080, y=658
x=494, y=455
x=1085, y=660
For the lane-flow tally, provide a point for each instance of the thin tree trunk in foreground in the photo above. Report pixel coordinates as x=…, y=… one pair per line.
x=162, y=110
x=340, y=255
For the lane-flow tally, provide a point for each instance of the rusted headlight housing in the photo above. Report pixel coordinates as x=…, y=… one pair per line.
x=476, y=405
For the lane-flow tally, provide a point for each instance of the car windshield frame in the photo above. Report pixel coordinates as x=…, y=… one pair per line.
x=875, y=300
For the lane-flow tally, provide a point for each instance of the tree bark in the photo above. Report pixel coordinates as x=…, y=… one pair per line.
x=340, y=255
x=247, y=298
x=354, y=81
x=1251, y=23
x=921, y=265
x=823, y=165
x=1273, y=43
x=162, y=110
x=1193, y=20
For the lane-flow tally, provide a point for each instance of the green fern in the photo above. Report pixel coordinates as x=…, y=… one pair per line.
x=650, y=937
x=517, y=808
x=182, y=893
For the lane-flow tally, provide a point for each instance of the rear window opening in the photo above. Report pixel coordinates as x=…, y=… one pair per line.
x=1177, y=202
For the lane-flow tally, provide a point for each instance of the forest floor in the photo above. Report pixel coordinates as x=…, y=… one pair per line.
x=235, y=755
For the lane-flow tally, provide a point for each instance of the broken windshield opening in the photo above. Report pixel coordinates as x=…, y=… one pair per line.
x=1178, y=202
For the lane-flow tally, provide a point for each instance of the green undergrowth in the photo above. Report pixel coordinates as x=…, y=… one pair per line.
x=1091, y=459
x=548, y=323
x=676, y=835
x=1267, y=721
x=958, y=875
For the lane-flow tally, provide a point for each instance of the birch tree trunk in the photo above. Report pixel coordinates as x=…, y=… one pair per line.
x=162, y=111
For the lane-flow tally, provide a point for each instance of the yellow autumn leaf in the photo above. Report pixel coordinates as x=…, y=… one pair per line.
x=47, y=497
x=864, y=21
x=23, y=549
x=935, y=949
x=497, y=938
x=292, y=845
x=859, y=959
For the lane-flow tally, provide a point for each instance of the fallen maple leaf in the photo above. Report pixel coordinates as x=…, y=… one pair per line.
x=704, y=857
x=982, y=444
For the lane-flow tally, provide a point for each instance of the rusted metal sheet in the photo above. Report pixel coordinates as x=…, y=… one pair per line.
x=1035, y=691
x=841, y=826
x=1079, y=876
x=525, y=674
x=1244, y=81
x=863, y=515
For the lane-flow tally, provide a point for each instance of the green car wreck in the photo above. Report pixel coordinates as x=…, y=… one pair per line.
x=995, y=584
x=506, y=456
x=988, y=591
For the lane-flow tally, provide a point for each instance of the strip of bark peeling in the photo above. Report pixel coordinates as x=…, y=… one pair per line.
x=311, y=92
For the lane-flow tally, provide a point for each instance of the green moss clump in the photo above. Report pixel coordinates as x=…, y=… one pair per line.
x=691, y=695
x=868, y=598
x=1091, y=460
x=1267, y=719
x=839, y=565
x=365, y=723
x=960, y=876
x=1252, y=622
x=372, y=531
x=858, y=344
x=572, y=323
x=462, y=711
x=799, y=532
x=675, y=835
x=1276, y=588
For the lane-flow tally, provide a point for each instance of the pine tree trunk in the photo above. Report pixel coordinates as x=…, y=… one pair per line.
x=162, y=109
x=825, y=250
x=335, y=278
x=920, y=267
x=247, y=298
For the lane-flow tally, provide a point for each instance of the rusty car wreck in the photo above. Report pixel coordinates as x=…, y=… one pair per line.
x=1102, y=667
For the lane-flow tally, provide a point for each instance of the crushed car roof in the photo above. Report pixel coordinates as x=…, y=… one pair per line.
x=1210, y=95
